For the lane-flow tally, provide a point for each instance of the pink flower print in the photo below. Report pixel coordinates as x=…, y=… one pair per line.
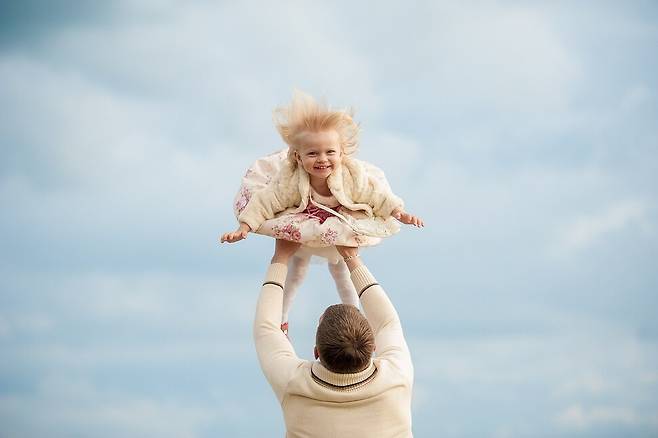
x=288, y=231
x=243, y=199
x=329, y=237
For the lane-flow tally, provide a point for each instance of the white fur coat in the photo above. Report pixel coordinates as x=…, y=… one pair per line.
x=351, y=184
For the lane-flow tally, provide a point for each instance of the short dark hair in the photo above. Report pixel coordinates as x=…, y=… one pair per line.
x=344, y=339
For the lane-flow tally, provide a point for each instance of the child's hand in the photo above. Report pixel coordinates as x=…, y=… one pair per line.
x=239, y=234
x=408, y=219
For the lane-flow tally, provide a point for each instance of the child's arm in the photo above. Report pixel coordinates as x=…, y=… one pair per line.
x=264, y=204
x=385, y=203
x=280, y=194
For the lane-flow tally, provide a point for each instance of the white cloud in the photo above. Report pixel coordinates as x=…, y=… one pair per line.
x=636, y=98
x=5, y=327
x=576, y=363
x=235, y=56
x=98, y=139
x=398, y=156
x=588, y=230
x=507, y=57
x=30, y=323
x=61, y=406
x=576, y=416
x=650, y=377
x=586, y=383
x=157, y=300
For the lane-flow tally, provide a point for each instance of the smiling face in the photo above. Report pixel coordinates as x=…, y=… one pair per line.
x=320, y=153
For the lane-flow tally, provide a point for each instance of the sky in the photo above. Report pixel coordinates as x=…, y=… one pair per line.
x=524, y=133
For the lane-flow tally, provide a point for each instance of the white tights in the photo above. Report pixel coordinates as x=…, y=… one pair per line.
x=297, y=268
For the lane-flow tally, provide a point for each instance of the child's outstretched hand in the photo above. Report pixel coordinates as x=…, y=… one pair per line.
x=239, y=234
x=408, y=219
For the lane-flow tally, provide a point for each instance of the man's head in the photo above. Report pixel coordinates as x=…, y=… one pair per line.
x=344, y=340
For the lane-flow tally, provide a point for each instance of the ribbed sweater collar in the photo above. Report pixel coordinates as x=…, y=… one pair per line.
x=342, y=380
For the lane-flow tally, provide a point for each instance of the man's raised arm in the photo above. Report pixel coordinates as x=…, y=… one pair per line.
x=382, y=316
x=275, y=353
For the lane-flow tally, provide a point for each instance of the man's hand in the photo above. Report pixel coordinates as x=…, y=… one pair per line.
x=283, y=250
x=351, y=254
x=239, y=234
x=407, y=218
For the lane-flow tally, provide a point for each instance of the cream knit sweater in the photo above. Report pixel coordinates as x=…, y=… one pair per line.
x=316, y=402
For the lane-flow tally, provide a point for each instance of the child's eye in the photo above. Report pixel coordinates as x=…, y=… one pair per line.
x=331, y=152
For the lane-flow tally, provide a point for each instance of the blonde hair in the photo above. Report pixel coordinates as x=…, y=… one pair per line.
x=305, y=114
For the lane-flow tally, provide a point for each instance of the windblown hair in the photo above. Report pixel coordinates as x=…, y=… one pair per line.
x=305, y=114
x=344, y=339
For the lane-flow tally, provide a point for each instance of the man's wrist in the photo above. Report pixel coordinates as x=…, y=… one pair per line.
x=353, y=262
x=276, y=274
x=278, y=258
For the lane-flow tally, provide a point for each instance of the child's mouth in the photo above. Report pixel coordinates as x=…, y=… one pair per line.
x=322, y=167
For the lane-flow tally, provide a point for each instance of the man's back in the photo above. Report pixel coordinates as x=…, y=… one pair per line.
x=374, y=403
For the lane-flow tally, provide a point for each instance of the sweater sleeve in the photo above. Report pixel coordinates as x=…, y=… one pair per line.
x=379, y=196
x=276, y=355
x=383, y=318
x=269, y=201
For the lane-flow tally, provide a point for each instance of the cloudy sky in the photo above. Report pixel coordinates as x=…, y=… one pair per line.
x=524, y=133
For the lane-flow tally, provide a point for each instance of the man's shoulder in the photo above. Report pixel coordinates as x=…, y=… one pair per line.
x=388, y=376
x=390, y=367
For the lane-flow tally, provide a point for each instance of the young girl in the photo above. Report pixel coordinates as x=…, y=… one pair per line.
x=315, y=193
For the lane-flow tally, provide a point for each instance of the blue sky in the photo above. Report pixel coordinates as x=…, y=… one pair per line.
x=524, y=133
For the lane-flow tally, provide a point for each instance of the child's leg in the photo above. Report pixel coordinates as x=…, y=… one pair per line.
x=344, y=285
x=297, y=267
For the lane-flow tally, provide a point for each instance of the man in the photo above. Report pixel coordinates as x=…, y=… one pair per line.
x=345, y=392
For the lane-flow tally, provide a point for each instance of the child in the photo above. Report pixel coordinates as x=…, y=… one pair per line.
x=315, y=193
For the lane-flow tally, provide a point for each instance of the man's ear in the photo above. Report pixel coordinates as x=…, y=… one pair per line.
x=315, y=353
